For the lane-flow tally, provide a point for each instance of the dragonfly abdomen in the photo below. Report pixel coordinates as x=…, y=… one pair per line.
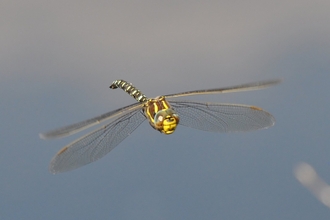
x=130, y=89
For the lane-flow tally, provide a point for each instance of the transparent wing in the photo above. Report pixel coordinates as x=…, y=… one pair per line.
x=74, y=128
x=96, y=144
x=239, y=88
x=218, y=117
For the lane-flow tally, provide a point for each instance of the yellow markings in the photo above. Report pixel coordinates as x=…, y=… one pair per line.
x=164, y=103
x=62, y=150
x=255, y=108
x=155, y=107
x=160, y=115
x=151, y=110
x=169, y=126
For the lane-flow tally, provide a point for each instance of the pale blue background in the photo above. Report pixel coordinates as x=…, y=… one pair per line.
x=58, y=58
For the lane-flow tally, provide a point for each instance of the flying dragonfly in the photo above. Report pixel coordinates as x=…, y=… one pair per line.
x=164, y=113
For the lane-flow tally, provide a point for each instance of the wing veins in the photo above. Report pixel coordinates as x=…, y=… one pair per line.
x=74, y=128
x=239, y=88
x=90, y=148
x=221, y=117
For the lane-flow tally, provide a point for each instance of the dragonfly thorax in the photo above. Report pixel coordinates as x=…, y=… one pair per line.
x=161, y=116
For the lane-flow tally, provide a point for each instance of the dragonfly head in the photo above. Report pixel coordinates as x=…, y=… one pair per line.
x=166, y=121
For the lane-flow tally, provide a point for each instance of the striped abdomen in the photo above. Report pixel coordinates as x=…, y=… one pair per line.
x=130, y=89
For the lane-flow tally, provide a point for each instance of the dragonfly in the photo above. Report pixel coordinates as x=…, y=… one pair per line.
x=164, y=114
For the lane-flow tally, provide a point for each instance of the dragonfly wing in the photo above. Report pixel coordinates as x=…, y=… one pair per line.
x=218, y=117
x=74, y=128
x=96, y=144
x=239, y=88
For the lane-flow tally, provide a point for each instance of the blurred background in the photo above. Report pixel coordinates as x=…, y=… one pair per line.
x=58, y=58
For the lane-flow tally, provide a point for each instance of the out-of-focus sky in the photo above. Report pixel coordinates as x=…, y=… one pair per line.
x=58, y=58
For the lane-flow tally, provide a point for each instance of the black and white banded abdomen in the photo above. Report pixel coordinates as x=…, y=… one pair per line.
x=130, y=89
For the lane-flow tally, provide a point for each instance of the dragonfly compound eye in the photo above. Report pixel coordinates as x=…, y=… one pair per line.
x=166, y=121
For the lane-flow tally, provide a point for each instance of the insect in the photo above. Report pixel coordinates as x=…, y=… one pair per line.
x=164, y=114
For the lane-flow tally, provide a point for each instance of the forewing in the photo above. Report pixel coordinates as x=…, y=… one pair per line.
x=218, y=117
x=239, y=88
x=74, y=128
x=96, y=144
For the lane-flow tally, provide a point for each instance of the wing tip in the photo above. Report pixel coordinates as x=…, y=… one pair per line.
x=271, y=121
x=270, y=118
x=271, y=82
x=53, y=168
